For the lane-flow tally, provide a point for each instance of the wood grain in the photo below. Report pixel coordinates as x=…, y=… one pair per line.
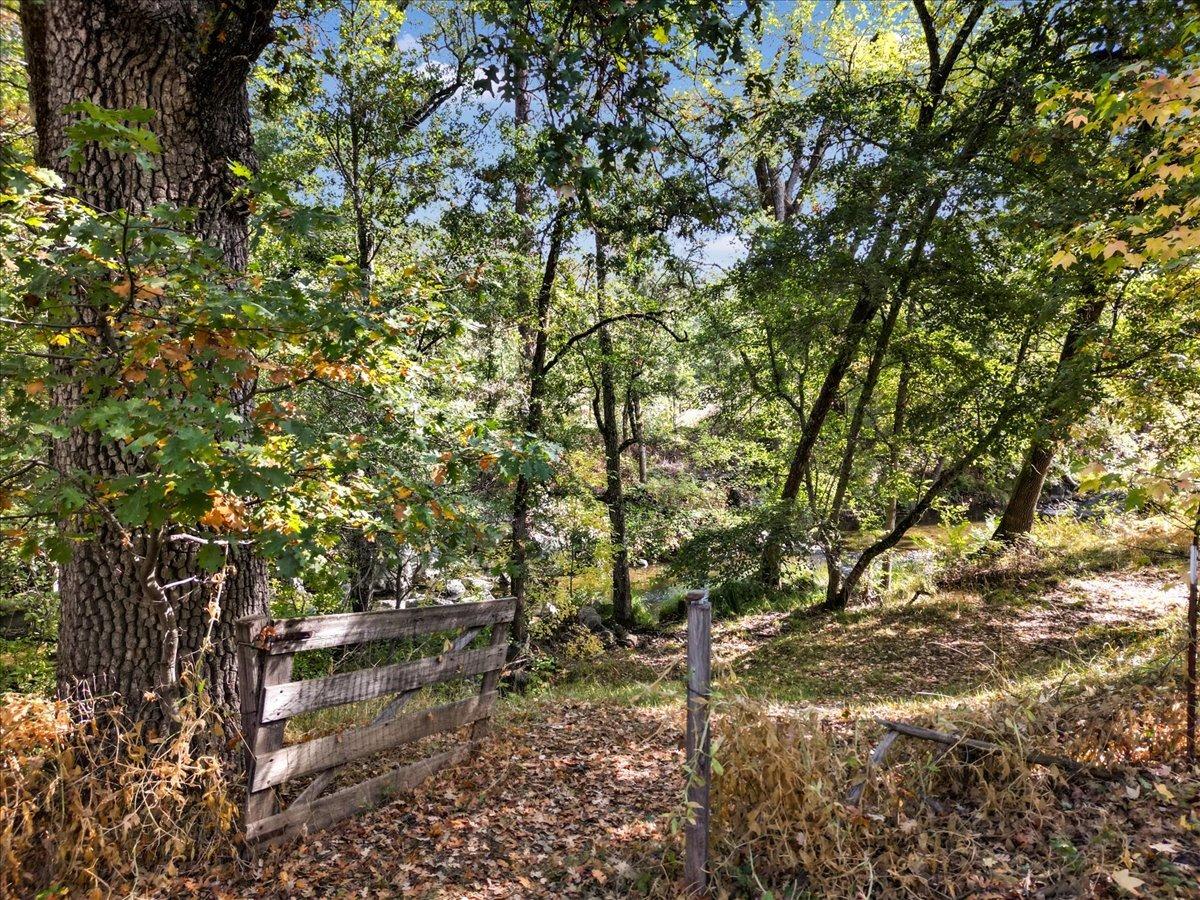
x=317, y=632
x=348, y=801
x=336, y=749
x=286, y=700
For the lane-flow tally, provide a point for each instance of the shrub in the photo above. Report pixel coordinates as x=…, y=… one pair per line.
x=91, y=804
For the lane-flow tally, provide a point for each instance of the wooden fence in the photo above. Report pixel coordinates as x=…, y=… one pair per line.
x=269, y=697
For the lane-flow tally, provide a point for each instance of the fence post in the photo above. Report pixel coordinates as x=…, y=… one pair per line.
x=257, y=671
x=699, y=758
x=1190, y=681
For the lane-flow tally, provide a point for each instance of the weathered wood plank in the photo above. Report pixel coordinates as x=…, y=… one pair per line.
x=317, y=632
x=324, y=753
x=397, y=703
x=348, y=801
x=248, y=677
x=1041, y=759
x=267, y=738
x=286, y=700
x=873, y=762
x=491, y=680
x=698, y=739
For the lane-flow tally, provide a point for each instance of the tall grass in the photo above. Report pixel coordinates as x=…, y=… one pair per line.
x=90, y=805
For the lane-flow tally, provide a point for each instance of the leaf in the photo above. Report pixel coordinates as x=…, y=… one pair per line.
x=34, y=388
x=1064, y=258
x=1123, y=879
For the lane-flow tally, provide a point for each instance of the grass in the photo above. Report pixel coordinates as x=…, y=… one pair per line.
x=1076, y=597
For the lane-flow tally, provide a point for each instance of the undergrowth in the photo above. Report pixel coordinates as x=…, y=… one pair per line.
x=91, y=806
x=932, y=822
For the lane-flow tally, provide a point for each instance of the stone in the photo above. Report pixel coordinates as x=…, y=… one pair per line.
x=590, y=619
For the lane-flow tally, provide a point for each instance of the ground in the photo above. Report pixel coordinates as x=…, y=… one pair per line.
x=576, y=791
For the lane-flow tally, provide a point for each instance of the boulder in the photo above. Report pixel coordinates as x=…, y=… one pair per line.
x=590, y=619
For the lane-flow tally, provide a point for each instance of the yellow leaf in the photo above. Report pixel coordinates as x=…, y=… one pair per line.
x=35, y=387
x=1064, y=258
x=1076, y=118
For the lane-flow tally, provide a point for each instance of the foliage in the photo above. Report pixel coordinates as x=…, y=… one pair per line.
x=197, y=392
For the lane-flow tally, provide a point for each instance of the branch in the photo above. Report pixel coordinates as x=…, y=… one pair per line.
x=656, y=318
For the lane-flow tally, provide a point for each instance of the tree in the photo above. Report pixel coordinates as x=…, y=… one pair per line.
x=366, y=116
x=600, y=73
x=130, y=613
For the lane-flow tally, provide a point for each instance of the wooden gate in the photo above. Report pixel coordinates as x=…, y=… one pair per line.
x=269, y=697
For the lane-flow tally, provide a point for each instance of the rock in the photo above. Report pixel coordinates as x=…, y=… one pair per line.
x=454, y=589
x=642, y=563
x=590, y=619
x=629, y=640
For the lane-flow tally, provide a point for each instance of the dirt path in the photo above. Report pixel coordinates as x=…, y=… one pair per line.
x=561, y=802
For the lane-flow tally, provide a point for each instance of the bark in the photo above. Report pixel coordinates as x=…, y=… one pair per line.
x=1021, y=509
x=637, y=426
x=539, y=333
x=606, y=420
x=364, y=569
x=1190, y=653
x=134, y=606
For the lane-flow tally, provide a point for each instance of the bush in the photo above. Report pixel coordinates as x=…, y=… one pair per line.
x=27, y=667
x=90, y=804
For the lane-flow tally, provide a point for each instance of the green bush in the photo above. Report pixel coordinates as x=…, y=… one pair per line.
x=27, y=667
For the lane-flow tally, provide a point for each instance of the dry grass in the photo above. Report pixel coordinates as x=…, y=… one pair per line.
x=931, y=822
x=91, y=807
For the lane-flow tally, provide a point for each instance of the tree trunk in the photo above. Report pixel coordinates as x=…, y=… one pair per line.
x=637, y=429
x=1065, y=391
x=869, y=300
x=1021, y=509
x=606, y=421
x=165, y=57
x=522, y=493
x=898, y=417
x=364, y=569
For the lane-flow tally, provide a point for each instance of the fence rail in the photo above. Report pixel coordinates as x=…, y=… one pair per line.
x=269, y=697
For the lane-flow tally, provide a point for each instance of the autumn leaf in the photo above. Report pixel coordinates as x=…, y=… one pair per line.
x=1063, y=258
x=228, y=513
x=1123, y=879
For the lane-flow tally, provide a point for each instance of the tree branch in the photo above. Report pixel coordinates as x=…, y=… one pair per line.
x=656, y=318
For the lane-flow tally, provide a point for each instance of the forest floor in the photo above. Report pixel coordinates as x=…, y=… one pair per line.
x=576, y=791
